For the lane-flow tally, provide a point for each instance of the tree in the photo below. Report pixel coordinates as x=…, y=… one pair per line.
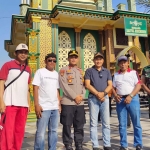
x=144, y=3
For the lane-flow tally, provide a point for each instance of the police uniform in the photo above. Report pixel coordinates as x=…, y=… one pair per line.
x=71, y=83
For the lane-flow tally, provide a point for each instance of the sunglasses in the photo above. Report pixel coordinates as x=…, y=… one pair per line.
x=51, y=60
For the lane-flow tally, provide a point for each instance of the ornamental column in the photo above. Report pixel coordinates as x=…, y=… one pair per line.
x=109, y=43
x=78, y=46
x=33, y=61
x=55, y=39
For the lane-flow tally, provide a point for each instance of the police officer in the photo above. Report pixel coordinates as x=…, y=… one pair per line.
x=71, y=83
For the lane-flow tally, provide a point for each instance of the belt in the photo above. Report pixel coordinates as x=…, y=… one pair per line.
x=123, y=96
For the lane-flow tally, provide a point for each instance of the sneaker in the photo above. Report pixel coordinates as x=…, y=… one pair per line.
x=68, y=147
x=122, y=148
x=107, y=148
x=96, y=148
x=138, y=147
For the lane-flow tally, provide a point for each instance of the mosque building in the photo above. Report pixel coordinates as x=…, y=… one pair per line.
x=89, y=26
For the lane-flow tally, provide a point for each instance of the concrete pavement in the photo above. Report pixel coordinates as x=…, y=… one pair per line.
x=145, y=122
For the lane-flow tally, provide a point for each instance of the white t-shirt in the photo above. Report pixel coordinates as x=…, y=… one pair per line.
x=48, y=84
x=125, y=83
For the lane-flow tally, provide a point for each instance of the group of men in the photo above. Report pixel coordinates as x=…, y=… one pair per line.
x=15, y=101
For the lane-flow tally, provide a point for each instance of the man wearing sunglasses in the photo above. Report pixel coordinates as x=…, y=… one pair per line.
x=14, y=99
x=47, y=103
x=99, y=82
x=71, y=83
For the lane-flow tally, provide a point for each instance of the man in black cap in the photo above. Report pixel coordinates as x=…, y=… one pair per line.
x=71, y=83
x=126, y=85
x=99, y=82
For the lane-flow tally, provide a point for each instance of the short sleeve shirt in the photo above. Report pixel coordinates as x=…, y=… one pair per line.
x=17, y=93
x=48, y=84
x=125, y=83
x=98, y=79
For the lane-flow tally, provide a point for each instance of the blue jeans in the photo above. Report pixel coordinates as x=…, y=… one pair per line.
x=50, y=119
x=95, y=106
x=134, y=110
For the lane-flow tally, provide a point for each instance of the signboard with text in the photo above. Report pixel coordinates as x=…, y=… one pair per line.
x=135, y=27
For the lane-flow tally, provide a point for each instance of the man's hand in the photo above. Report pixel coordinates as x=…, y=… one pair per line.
x=127, y=100
x=38, y=111
x=59, y=108
x=78, y=99
x=102, y=99
x=100, y=95
x=2, y=107
x=29, y=109
x=118, y=98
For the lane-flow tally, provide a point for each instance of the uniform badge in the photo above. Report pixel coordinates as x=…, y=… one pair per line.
x=68, y=71
x=69, y=80
x=62, y=72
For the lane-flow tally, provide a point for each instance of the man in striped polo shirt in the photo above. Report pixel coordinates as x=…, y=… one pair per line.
x=14, y=100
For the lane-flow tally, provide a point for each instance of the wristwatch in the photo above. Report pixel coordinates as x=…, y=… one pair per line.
x=105, y=93
x=131, y=95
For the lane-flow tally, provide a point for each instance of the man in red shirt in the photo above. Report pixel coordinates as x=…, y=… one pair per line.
x=14, y=99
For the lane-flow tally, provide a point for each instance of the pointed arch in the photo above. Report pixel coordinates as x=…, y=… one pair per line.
x=138, y=53
x=64, y=46
x=89, y=47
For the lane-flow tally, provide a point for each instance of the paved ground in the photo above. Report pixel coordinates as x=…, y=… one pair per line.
x=145, y=122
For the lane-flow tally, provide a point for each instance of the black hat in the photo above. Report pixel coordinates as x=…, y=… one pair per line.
x=98, y=54
x=73, y=52
x=50, y=55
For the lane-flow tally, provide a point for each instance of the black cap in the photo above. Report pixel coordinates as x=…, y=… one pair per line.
x=50, y=55
x=73, y=52
x=98, y=54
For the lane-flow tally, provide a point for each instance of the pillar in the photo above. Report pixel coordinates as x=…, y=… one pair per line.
x=78, y=46
x=108, y=5
x=34, y=52
x=110, y=55
x=99, y=5
x=55, y=39
x=131, y=5
x=121, y=6
x=23, y=7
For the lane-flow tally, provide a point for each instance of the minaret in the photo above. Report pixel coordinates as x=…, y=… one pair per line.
x=99, y=5
x=108, y=5
x=24, y=6
x=131, y=5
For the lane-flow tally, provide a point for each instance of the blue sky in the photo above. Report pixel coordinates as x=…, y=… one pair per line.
x=9, y=7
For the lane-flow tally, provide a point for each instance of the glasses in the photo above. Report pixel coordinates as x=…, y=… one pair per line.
x=51, y=60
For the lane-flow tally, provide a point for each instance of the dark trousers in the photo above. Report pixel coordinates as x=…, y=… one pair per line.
x=72, y=115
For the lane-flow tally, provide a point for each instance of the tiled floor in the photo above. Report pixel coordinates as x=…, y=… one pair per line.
x=145, y=122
